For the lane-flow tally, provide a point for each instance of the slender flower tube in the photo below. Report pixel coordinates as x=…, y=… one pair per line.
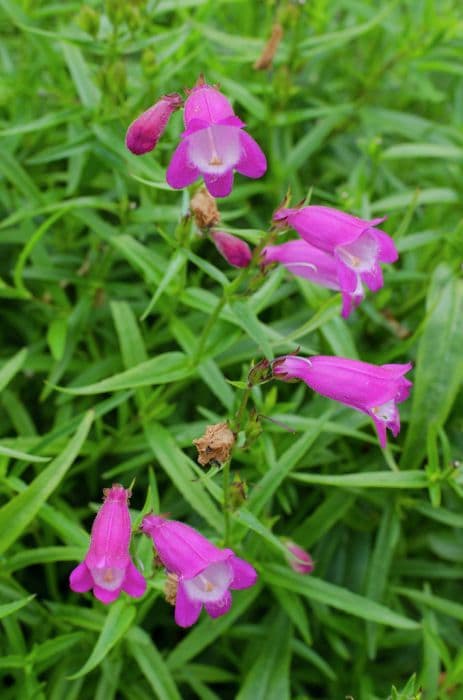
x=107, y=567
x=144, y=133
x=307, y=261
x=205, y=572
x=357, y=246
x=298, y=559
x=372, y=389
x=213, y=145
x=235, y=251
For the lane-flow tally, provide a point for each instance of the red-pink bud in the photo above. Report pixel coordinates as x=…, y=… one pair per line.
x=233, y=249
x=298, y=559
x=144, y=133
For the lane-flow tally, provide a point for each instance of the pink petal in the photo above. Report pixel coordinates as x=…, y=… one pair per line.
x=381, y=430
x=347, y=278
x=244, y=575
x=181, y=172
x=104, y=595
x=80, y=580
x=252, y=162
x=221, y=607
x=219, y=185
x=232, y=121
x=373, y=279
x=134, y=583
x=207, y=103
x=186, y=611
x=387, y=250
x=350, y=302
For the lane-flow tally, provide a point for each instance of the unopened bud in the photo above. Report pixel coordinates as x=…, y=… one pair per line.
x=235, y=251
x=298, y=559
x=144, y=133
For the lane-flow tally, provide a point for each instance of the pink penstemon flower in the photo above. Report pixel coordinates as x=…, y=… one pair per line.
x=205, y=573
x=372, y=389
x=213, y=145
x=298, y=559
x=357, y=246
x=307, y=261
x=146, y=130
x=108, y=568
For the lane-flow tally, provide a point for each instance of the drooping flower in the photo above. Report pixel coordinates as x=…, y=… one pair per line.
x=372, y=389
x=205, y=573
x=356, y=244
x=146, y=130
x=108, y=567
x=235, y=251
x=314, y=264
x=298, y=559
x=213, y=145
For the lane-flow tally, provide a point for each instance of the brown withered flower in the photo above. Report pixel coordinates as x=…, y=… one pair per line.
x=268, y=52
x=204, y=209
x=215, y=445
x=170, y=588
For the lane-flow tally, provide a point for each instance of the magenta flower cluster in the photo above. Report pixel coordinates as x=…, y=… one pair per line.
x=335, y=250
x=205, y=573
x=213, y=144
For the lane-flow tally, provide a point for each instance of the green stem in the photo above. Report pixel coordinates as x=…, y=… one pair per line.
x=207, y=329
x=226, y=502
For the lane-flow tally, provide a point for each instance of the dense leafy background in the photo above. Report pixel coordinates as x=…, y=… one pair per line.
x=364, y=104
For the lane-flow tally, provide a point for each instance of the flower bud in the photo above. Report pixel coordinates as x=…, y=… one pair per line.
x=144, y=133
x=298, y=559
x=235, y=251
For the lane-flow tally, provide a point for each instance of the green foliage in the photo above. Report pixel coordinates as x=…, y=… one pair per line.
x=124, y=334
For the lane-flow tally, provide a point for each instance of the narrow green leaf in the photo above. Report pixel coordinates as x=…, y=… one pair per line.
x=340, y=598
x=88, y=92
x=18, y=454
x=251, y=324
x=163, y=369
x=270, y=482
x=368, y=480
x=268, y=677
x=117, y=623
x=12, y=367
x=16, y=515
x=10, y=608
x=442, y=605
x=174, y=268
x=152, y=665
x=439, y=366
x=381, y=561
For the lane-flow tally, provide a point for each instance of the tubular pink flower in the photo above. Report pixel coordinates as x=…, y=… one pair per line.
x=107, y=567
x=357, y=246
x=298, y=559
x=213, y=145
x=144, y=133
x=235, y=251
x=374, y=390
x=314, y=264
x=205, y=572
